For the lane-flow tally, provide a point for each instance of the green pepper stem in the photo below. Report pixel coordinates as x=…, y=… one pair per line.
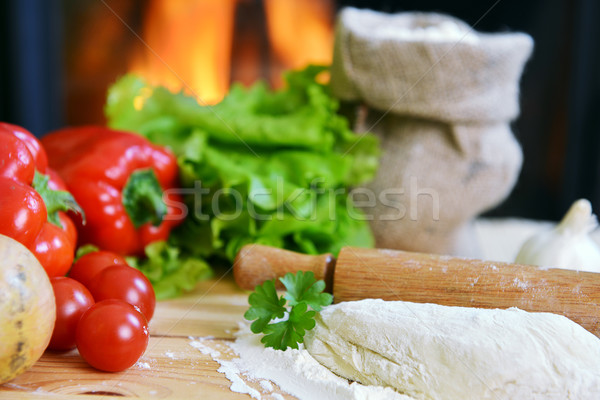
x=142, y=198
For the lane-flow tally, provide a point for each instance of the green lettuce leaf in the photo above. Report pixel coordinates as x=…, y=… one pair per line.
x=170, y=272
x=277, y=165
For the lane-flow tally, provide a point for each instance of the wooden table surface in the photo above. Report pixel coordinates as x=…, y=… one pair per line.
x=170, y=369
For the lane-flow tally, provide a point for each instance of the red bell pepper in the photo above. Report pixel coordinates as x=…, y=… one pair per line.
x=29, y=207
x=118, y=178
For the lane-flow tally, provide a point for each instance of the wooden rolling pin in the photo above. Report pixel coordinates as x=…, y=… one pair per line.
x=425, y=278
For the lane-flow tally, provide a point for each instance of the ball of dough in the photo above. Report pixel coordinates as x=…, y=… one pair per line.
x=430, y=351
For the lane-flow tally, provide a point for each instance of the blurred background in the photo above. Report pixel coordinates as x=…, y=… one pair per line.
x=60, y=56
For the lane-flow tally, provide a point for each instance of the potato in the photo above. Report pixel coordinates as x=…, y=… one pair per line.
x=27, y=309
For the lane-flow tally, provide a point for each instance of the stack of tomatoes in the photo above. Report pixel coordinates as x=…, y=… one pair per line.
x=104, y=306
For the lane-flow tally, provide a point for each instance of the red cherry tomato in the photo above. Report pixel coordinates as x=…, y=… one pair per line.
x=54, y=250
x=68, y=226
x=34, y=145
x=22, y=211
x=112, y=335
x=55, y=182
x=16, y=162
x=125, y=283
x=88, y=265
x=72, y=300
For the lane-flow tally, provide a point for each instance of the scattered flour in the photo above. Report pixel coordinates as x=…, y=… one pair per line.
x=294, y=371
x=142, y=365
x=266, y=385
x=520, y=284
x=204, y=349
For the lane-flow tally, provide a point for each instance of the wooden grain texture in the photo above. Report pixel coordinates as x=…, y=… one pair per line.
x=257, y=263
x=170, y=369
x=427, y=278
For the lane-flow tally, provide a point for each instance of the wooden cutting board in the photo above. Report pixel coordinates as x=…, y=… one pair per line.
x=170, y=369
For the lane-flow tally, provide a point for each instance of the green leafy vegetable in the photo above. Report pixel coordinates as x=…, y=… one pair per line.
x=265, y=305
x=262, y=166
x=303, y=288
x=85, y=249
x=303, y=291
x=289, y=333
x=170, y=272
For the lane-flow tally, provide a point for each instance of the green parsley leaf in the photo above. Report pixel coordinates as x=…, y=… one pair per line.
x=303, y=291
x=289, y=333
x=265, y=306
x=303, y=287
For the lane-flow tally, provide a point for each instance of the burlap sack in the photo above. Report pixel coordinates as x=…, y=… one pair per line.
x=441, y=97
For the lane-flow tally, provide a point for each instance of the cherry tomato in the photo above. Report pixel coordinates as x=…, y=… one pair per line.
x=55, y=182
x=112, y=335
x=88, y=265
x=68, y=226
x=34, y=145
x=72, y=300
x=54, y=250
x=124, y=283
x=16, y=162
x=22, y=211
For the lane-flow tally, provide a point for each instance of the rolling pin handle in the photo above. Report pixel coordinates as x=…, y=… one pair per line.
x=255, y=264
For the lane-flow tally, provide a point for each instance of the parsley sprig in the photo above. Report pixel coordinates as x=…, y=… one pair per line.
x=303, y=291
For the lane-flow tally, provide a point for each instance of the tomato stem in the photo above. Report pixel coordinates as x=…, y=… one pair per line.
x=55, y=200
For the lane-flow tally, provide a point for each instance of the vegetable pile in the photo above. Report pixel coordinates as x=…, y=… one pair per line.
x=63, y=313
x=103, y=308
x=118, y=179
x=33, y=205
x=269, y=167
x=187, y=183
x=302, y=292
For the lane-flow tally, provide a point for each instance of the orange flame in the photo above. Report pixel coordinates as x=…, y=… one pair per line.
x=300, y=32
x=189, y=42
x=188, y=46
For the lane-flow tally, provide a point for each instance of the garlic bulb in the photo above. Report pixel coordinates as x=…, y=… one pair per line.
x=568, y=245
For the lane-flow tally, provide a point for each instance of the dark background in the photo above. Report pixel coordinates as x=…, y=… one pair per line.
x=559, y=126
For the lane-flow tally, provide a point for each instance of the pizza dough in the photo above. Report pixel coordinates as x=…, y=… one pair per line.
x=430, y=351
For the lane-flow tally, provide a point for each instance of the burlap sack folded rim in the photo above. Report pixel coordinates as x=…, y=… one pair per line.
x=474, y=78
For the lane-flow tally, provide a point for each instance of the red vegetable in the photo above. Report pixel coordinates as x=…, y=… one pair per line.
x=16, y=162
x=34, y=146
x=112, y=335
x=125, y=283
x=54, y=250
x=89, y=265
x=22, y=211
x=72, y=300
x=28, y=207
x=118, y=178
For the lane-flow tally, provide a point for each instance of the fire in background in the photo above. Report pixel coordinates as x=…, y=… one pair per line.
x=199, y=46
